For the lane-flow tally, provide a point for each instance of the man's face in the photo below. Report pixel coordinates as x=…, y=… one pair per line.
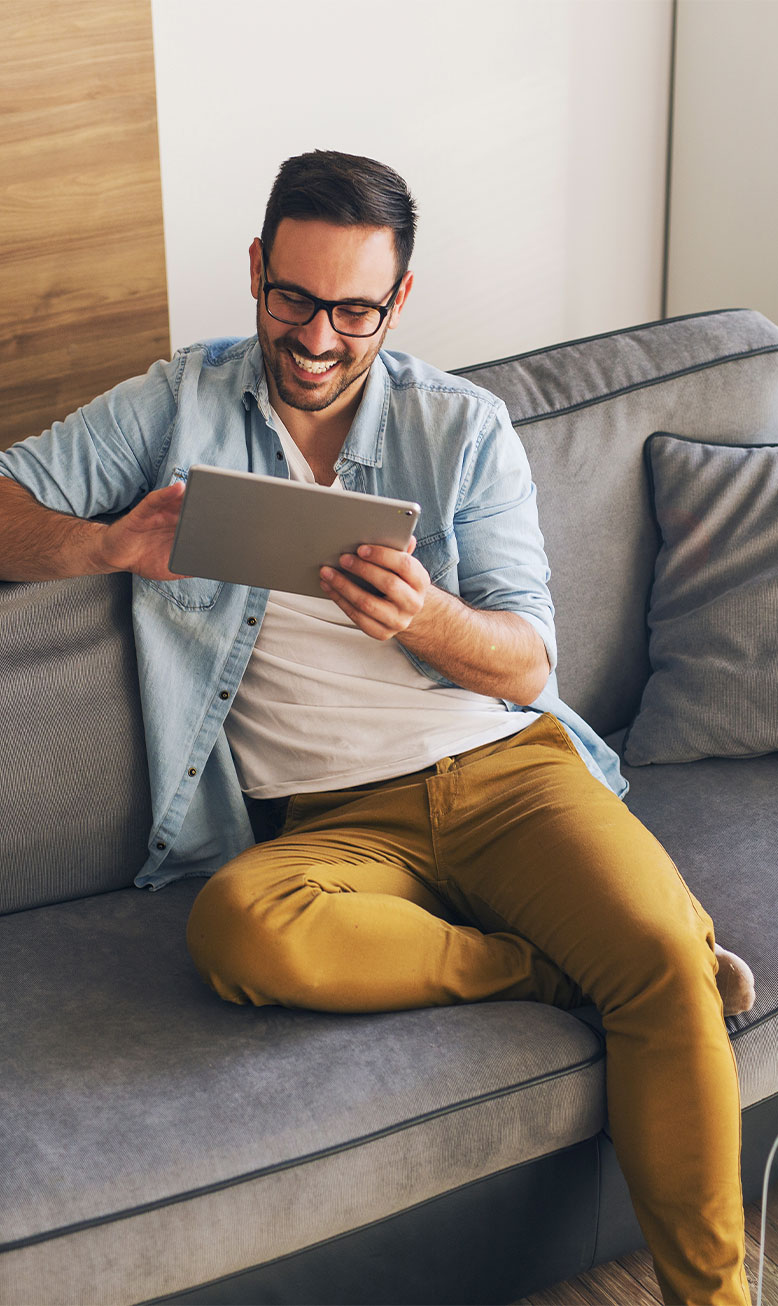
x=312, y=366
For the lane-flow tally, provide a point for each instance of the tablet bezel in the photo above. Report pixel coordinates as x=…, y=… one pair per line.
x=234, y=526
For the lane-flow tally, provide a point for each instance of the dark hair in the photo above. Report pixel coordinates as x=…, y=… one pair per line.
x=347, y=190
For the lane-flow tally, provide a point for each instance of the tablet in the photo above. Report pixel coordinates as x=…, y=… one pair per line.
x=274, y=533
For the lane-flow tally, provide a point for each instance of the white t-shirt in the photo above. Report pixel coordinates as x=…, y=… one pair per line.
x=323, y=706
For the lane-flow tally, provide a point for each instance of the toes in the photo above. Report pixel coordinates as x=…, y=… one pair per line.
x=735, y=982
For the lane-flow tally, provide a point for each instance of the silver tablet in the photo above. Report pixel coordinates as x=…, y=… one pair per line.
x=276, y=534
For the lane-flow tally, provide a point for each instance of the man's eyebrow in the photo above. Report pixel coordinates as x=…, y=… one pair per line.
x=291, y=285
x=349, y=299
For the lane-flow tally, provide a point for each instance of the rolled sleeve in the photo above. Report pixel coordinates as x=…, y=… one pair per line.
x=103, y=457
x=502, y=560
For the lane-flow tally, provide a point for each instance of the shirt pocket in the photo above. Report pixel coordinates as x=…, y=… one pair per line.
x=191, y=595
x=439, y=554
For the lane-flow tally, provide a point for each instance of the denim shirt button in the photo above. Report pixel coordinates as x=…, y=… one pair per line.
x=224, y=694
x=162, y=846
x=192, y=770
x=252, y=621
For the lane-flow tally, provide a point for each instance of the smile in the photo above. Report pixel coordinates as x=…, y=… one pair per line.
x=311, y=366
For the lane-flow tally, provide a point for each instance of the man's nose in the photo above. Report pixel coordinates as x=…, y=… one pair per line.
x=318, y=335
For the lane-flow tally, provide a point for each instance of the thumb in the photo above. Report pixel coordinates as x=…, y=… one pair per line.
x=167, y=497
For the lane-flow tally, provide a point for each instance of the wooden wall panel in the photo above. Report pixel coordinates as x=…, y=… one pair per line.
x=82, y=264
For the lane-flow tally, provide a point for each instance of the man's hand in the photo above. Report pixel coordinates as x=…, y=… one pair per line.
x=402, y=581
x=141, y=541
x=495, y=653
x=37, y=543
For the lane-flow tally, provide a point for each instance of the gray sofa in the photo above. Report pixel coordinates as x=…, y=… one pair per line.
x=159, y=1144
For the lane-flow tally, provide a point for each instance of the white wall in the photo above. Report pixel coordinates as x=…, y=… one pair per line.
x=532, y=132
x=724, y=193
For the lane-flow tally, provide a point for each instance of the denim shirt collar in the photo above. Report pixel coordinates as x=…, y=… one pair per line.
x=365, y=440
x=253, y=384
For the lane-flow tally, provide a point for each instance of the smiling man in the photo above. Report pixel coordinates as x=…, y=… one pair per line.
x=313, y=381
x=317, y=352
x=431, y=824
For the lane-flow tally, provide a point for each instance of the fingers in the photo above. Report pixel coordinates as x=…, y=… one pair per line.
x=161, y=504
x=379, y=558
x=402, y=583
x=141, y=540
x=373, y=625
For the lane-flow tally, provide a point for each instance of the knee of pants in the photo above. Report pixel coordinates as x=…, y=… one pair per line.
x=667, y=963
x=252, y=950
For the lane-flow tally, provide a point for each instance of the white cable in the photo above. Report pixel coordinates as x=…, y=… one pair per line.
x=763, y=1237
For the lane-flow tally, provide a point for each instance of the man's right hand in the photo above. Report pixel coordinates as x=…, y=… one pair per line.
x=37, y=543
x=141, y=541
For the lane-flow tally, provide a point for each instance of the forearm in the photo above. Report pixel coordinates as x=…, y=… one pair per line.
x=494, y=653
x=37, y=543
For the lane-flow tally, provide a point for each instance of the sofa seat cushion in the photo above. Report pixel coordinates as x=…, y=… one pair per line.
x=156, y=1137
x=718, y=819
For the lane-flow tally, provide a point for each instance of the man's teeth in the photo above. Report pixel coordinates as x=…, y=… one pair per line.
x=308, y=365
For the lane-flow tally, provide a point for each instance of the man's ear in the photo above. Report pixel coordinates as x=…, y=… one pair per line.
x=255, y=260
x=402, y=295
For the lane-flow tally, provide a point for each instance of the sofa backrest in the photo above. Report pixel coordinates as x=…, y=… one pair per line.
x=74, y=802
x=584, y=411
x=75, y=810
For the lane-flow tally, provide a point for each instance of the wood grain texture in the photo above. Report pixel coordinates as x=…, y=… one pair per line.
x=82, y=263
x=630, y=1281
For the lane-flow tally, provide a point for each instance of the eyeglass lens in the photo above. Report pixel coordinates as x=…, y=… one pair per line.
x=348, y=319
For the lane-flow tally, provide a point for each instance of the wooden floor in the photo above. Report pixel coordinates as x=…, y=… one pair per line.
x=631, y=1281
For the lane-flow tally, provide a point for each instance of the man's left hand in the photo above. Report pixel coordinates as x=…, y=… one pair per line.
x=402, y=582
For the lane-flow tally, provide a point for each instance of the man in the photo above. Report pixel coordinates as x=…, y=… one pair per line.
x=446, y=830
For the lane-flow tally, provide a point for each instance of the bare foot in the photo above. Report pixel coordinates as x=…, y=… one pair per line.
x=735, y=982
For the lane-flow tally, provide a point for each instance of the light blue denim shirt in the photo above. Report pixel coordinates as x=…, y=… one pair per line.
x=418, y=434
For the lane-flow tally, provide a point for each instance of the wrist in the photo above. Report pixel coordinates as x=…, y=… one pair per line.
x=438, y=605
x=95, y=542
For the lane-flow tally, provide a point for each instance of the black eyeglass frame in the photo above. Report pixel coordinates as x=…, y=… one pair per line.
x=329, y=305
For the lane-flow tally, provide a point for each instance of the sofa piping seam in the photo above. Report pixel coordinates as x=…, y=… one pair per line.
x=600, y=335
x=143, y=1208
x=640, y=385
x=382, y=1219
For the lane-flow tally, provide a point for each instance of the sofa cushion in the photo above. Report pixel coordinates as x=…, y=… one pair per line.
x=157, y=1137
x=75, y=811
x=713, y=611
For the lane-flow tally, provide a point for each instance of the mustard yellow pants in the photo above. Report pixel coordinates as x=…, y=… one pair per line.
x=509, y=872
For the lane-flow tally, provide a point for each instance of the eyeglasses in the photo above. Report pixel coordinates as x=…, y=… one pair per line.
x=347, y=317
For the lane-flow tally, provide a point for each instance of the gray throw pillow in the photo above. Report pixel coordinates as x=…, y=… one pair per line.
x=713, y=610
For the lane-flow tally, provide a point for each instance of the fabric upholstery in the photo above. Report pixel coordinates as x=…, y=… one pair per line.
x=74, y=802
x=713, y=611
x=148, y=1120
x=584, y=411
